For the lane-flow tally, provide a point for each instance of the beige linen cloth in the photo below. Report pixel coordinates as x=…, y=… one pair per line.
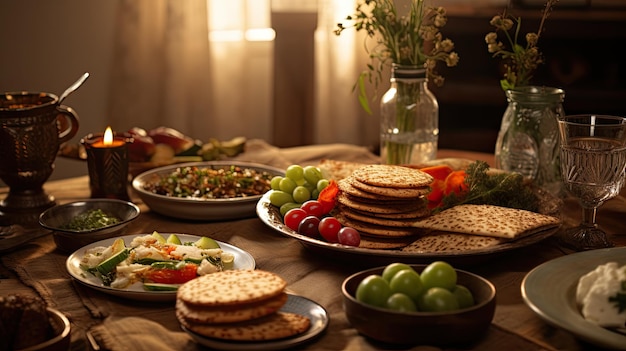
x=115, y=323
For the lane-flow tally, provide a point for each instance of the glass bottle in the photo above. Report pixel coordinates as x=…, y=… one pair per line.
x=528, y=141
x=409, y=119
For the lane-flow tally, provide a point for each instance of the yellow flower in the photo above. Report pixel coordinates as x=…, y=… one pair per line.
x=520, y=61
x=402, y=39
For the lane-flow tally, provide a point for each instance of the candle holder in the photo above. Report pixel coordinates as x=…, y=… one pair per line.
x=107, y=166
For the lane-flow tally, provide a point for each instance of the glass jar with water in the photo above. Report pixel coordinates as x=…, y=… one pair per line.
x=528, y=141
x=409, y=124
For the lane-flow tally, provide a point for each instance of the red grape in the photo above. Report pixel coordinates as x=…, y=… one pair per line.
x=349, y=236
x=313, y=208
x=309, y=226
x=293, y=218
x=328, y=228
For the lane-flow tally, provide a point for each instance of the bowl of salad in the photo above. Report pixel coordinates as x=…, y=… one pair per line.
x=80, y=223
x=205, y=191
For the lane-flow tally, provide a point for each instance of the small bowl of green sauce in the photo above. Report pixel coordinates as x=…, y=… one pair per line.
x=80, y=223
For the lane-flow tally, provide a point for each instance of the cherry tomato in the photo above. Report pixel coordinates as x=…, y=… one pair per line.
x=373, y=290
x=400, y=302
x=439, y=274
x=393, y=268
x=349, y=236
x=293, y=218
x=437, y=300
x=329, y=228
x=408, y=282
x=309, y=226
x=313, y=208
x=173, y=276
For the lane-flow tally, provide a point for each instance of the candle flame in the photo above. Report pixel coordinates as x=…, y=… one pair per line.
x=108, y=136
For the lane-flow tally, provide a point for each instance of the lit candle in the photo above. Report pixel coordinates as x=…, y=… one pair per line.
x=107, y=163
x=108, y=140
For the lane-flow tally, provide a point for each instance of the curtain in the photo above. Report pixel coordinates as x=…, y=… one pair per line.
x=339, y=60
x=160, y=71
x=166, y=71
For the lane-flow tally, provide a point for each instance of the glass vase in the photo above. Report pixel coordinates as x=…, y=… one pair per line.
x=528, y=141
x=409, y=120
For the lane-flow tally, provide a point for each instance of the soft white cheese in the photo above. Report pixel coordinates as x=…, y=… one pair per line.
x=594, y=290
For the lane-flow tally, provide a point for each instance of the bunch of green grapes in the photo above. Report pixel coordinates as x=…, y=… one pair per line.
x=299, y=185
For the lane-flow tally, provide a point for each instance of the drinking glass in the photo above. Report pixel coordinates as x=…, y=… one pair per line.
x=593, y=163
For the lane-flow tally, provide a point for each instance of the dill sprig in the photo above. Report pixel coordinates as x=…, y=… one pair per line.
x=506, y=189
x=619, y=299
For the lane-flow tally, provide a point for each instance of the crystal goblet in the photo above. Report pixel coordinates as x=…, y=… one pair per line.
x=593, y=164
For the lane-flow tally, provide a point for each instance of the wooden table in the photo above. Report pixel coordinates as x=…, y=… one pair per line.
x=38, y=268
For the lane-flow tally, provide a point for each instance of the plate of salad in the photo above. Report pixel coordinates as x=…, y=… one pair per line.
x=150, y=267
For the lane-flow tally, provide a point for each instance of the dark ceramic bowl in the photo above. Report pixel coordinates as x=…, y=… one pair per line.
x=456, y=328
x=61, y=334
x=68, y=240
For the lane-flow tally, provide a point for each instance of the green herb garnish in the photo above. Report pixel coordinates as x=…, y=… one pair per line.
x=92, y=219
x=620, y=299
x=505, y=189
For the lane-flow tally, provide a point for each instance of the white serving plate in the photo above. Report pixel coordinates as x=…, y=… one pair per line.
x=243, y=260
x=550, y=291
x=199, y=209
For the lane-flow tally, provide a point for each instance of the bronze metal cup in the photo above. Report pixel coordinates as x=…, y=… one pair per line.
x=32, y=127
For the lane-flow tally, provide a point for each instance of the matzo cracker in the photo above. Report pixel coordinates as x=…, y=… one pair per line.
x=488, y=220
x=231, y=287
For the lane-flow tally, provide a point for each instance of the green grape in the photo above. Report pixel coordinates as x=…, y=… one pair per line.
x=288, y=206
x=315, y=194
x=312, y=174
x=295, y=172
x=301, y=194
x=275, y=182
x=287, y=185
x=321, y=184
x=279, y=198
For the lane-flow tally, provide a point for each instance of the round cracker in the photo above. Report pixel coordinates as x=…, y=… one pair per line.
x=229, y=314
x=345, y=186
x=404, y=193
x=231, y=287
x=414, y=215
x=274, y=326
x=373, y=242
x=370, y=218
x=374, y=229
x=387, y=207
x=392, y=176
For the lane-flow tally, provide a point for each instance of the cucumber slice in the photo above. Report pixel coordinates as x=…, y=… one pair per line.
x=109, y=264
x=160, y=287
x=174, y=239
x=159, y=237
x=207, y=243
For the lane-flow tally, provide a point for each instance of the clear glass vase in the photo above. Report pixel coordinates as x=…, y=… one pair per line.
x=409, y=120
x=528, y=141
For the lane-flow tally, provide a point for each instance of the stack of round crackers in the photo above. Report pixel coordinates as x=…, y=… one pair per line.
x=382, y=202
x=238, y=305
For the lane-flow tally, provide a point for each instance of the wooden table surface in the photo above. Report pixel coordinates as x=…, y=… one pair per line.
x=38, y=268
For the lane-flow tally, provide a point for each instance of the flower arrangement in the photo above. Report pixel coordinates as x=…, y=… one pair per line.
x=413, y=39
x=520, y=61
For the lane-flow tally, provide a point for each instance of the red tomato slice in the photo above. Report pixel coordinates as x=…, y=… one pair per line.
x=172, y=276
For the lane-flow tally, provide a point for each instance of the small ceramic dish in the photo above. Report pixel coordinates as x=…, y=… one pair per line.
x=68, y=240
x=456, y=328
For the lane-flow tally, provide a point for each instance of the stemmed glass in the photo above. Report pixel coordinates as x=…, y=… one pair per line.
x=593, y=164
